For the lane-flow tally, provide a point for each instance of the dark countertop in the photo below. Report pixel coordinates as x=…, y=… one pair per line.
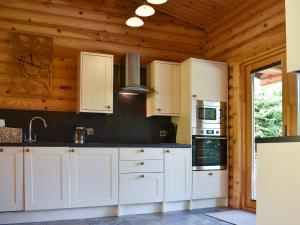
x=278, y=139
x=107, y=145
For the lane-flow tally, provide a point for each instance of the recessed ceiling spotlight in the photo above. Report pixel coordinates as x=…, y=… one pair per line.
x=157, y=2
x=145, y=10
x=135, y=22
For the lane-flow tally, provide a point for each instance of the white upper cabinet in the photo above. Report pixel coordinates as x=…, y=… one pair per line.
x=209, y=80
x=165, y=78
x=292, y=8
x=178, y=174
x=46, y=178
x=11, y=179
x=93, y=177
x=95, y=83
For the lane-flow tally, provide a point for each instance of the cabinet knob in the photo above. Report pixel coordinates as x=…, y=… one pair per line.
x=142, y=176
x=27, y=150
x=210, y=174
x=108, y=107
x=72, y=150
x=142, y=150
x=158, y=109
x=194, y=96
x=167, y=151
x=142, y=163
x=1, y=149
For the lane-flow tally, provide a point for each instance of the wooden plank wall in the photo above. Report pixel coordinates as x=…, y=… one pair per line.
x=253, y=28
x=89, y=26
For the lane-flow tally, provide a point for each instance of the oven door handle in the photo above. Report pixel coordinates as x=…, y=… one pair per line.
x=214, y=138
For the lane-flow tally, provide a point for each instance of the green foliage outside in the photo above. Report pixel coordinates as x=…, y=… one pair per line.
x=268, y=114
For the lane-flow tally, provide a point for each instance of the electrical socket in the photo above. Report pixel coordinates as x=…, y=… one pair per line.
x=90, y=131
x=163, y=133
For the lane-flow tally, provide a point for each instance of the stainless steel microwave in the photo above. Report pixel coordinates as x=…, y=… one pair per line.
x=209, y=118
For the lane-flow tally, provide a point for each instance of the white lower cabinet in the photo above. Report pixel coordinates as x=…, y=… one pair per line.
x=11, y=179
x=46, y=172
x=93, y=177
x=210, y=184
x=178, y=174
x=141, y=188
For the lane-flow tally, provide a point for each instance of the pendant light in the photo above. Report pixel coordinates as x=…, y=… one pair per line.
x=157, y=2
x=135, y=22
x=144, y=10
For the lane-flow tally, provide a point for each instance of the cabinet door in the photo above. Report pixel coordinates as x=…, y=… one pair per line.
x=178, y=174
x=165, y=79
x=46, y=178
x=93, y=177
x=209, y=80
x=292, y=8
x=210, y=184
x=96, y=83
x=11, y=179
x=141, y=188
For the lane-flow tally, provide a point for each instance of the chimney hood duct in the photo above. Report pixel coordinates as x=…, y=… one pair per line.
x=132, y=76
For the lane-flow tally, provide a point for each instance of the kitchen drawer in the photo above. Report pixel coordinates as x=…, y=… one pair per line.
x=141, y=188
x=145, y=166
x=210, y=184
x=141, y=153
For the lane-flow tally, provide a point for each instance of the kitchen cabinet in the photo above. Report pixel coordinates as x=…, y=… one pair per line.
x=93, y=177
x=46, y=171
x=95, y=83
x=292, y=8
x=210, y=184
x=208, y=80
x=164, y=77
x=178, y=174
x=11, y=179
x=141, y=188
x=141, y=175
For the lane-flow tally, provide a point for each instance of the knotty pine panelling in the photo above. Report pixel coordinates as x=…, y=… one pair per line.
x=254, y=28
x=80, y=25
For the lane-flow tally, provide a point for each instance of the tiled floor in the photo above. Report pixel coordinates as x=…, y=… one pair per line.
x=196, y=217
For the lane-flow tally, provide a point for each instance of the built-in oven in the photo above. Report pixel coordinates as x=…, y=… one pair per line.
x=209, y=118
x=209, y=153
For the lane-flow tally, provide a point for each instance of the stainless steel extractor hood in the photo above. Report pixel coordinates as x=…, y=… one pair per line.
x=132, y=76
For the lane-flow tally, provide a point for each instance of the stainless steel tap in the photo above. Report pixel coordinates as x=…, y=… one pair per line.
x=30, y=139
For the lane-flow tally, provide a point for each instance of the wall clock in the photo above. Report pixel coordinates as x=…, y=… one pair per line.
x=32, y=71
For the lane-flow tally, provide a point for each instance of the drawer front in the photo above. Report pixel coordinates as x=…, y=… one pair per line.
x=141, y=153
x=141, y=188
x=210, y=184
x=145, y=166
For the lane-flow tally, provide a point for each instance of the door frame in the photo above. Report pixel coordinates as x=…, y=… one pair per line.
x=247, y=109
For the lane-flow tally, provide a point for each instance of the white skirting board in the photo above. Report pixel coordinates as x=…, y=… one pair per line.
x=121, y=210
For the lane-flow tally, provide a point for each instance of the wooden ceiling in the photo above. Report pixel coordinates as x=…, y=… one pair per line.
x=200, y=13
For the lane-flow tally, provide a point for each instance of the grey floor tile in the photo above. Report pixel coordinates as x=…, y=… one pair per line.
x=68, y=222
x=195, y=217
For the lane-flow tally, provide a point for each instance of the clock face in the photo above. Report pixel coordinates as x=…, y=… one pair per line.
x=32, y=70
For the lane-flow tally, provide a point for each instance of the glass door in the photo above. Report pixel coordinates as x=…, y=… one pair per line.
x=264, y=115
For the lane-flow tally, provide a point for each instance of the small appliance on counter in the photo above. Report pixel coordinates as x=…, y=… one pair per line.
x=209, y=135
x=80, y=135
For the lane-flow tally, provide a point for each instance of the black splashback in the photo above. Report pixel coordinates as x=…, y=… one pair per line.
x=128, y=123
